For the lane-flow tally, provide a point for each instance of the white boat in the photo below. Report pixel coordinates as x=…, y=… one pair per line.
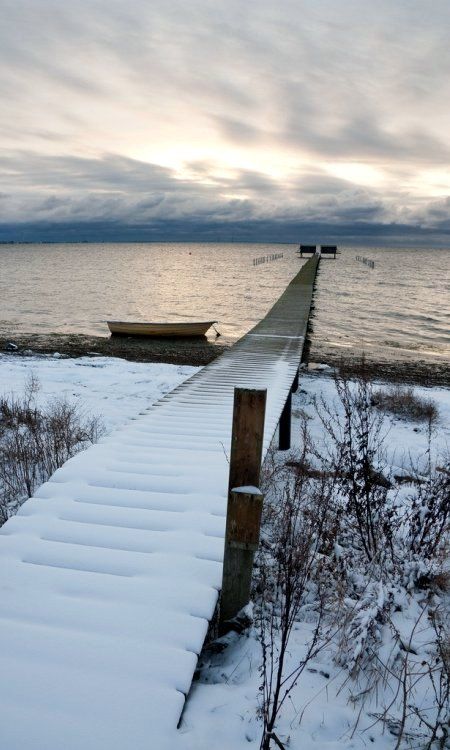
x=173, y=330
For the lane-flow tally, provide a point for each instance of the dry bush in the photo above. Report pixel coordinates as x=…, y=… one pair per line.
x=340, y=550
x=429, y=516
x=35, y=441
x=389, y=554
x=418, y=713
x=290, y=574
x=356, y=456
x=404, y=402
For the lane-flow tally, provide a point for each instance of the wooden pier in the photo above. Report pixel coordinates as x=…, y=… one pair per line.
x=111, y=573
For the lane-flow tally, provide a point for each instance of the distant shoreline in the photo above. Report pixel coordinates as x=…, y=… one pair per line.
x=199, y=352
x=371, y=242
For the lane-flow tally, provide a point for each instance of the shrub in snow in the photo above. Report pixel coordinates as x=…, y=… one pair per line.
x=290, y=584
x=35, y=441
x=357, y=458
x=361, y=562
x=428, y=521
x=402, y=401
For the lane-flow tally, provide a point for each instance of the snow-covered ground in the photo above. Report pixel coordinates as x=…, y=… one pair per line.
x=113, y=389
x=221, y=712
x=322, y=711
x=405, y=440
x=118, y=390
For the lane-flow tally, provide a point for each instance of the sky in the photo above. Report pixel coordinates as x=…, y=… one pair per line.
x=168, y=119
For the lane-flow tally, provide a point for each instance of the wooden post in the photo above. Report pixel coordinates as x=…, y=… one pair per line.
x=284, y=427
x=241, y=542
x=244, y=501
x=247, y=437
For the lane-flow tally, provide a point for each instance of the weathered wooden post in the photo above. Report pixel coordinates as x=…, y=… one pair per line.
x=284, y=427
x=244, y=501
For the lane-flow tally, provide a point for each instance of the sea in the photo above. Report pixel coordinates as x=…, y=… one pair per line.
x=396, y=307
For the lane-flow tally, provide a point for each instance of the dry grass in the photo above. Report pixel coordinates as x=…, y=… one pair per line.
x=404, y=402
x=35, y=441
x=441, y=581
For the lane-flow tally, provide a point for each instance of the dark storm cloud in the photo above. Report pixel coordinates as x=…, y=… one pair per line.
x=57, y=188
x=194, y=230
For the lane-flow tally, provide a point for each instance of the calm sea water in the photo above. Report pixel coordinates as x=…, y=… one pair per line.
x=400, y=309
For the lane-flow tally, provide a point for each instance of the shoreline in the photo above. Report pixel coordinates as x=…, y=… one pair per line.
x=201, y=351
x=190, y=351
x=421, y=373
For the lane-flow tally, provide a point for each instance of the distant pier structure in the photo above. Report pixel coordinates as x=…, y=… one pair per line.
x=324, y=250
x=366, y=261
x=307, y=250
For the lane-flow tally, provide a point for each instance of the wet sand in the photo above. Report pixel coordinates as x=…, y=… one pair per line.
x=201, y=351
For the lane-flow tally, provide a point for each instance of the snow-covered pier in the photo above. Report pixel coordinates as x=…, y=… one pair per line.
x=110, y=574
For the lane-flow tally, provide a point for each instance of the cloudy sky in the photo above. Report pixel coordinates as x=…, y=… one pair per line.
x=209, y=117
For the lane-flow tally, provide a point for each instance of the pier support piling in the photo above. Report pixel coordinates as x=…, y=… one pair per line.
x=284, y=427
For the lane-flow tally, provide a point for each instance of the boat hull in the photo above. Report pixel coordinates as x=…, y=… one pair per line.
x=172, y=330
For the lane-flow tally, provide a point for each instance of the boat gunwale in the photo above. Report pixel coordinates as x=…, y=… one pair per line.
x=145, y=323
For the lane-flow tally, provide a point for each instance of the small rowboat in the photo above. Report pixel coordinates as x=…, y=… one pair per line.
x=172, y=330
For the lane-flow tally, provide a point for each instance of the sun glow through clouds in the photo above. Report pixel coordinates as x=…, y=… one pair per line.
x=360, y=174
